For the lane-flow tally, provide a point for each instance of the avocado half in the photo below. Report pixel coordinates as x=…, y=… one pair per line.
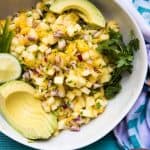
x=24, y=112
x=88, y=12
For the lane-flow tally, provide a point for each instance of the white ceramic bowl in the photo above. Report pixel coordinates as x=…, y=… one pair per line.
x=117, y=108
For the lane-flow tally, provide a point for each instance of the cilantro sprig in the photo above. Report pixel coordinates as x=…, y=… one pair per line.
x=120, y=56
x=5, y=38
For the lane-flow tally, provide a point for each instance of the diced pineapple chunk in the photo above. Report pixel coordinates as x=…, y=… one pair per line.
x=70, y=95
x=99, y=62
x=85, y=90
x=62, y=124
x=102, y=102
x=26, y=30
x=43, y=26
x=71, y=49
x=113, y=25
x=50, y=101
x=75, y=81
x=20, y=21
x=104, y=37
x=49, y=39
x=39, y=81
x=88, y=112
x=67, y=19
x=32, y=48
x=29, y=22
x=89, y=84
x=86, y=72
x=82, y=45
x=43, y=48
x=59, y=80
x=36, y=14
x=75, y=114
x=33, y=34
x=46, y=107
x=51, y=71
x=73, y=30
x=29, y=58
x=97, y=95
x=77, y=92
x=90, y=101
x=78, y=104
x=19, y=49
x=94, y=54
x=50, y=17
x=105, y=76
x=15, y=41
x=56, y=104
x=86, y=55
x=61, y=91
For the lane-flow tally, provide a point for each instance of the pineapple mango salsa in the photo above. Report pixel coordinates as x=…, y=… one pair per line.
x=59, y=58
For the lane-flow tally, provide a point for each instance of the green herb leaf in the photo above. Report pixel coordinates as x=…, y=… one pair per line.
x=120, y=56
x=5, y=38
x=98, y=105
x=112, y=90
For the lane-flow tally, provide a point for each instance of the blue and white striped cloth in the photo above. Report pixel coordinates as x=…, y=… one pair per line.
x=134, y=131
x=143, y=7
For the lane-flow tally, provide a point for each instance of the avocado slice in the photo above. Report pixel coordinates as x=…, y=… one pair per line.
x=24, y=112
x=88, y=12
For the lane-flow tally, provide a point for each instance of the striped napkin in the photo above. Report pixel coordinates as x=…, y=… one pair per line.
x=143, y=7
x=134, y=131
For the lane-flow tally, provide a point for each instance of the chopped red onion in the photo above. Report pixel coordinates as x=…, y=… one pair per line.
x=77, y=119
x=73, y=63
x=31, y=38
x=54, y=93
x=57, y=60
x=96, y=34
x=61, y=44
x=65, y=106
x=86, y=37
x=80, y=57
x=49, y=83
x=58, y=34
x=96, y=86
x=26, y=75
x=75, y=128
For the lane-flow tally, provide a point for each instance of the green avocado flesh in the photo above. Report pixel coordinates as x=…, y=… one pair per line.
x=88, y=12
x=24, y=112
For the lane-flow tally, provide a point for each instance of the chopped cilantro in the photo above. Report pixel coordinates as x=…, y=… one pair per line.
x=98, y=105
x=120, y=56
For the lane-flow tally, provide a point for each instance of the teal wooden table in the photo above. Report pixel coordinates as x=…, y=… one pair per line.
x=107, y=143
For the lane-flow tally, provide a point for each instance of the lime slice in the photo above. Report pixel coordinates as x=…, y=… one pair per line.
x=10, y=68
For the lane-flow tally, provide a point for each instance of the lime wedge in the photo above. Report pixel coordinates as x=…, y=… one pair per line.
x=10, y=68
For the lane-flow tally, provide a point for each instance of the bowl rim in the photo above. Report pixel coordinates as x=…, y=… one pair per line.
x=127, y=108
x=140, y=20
